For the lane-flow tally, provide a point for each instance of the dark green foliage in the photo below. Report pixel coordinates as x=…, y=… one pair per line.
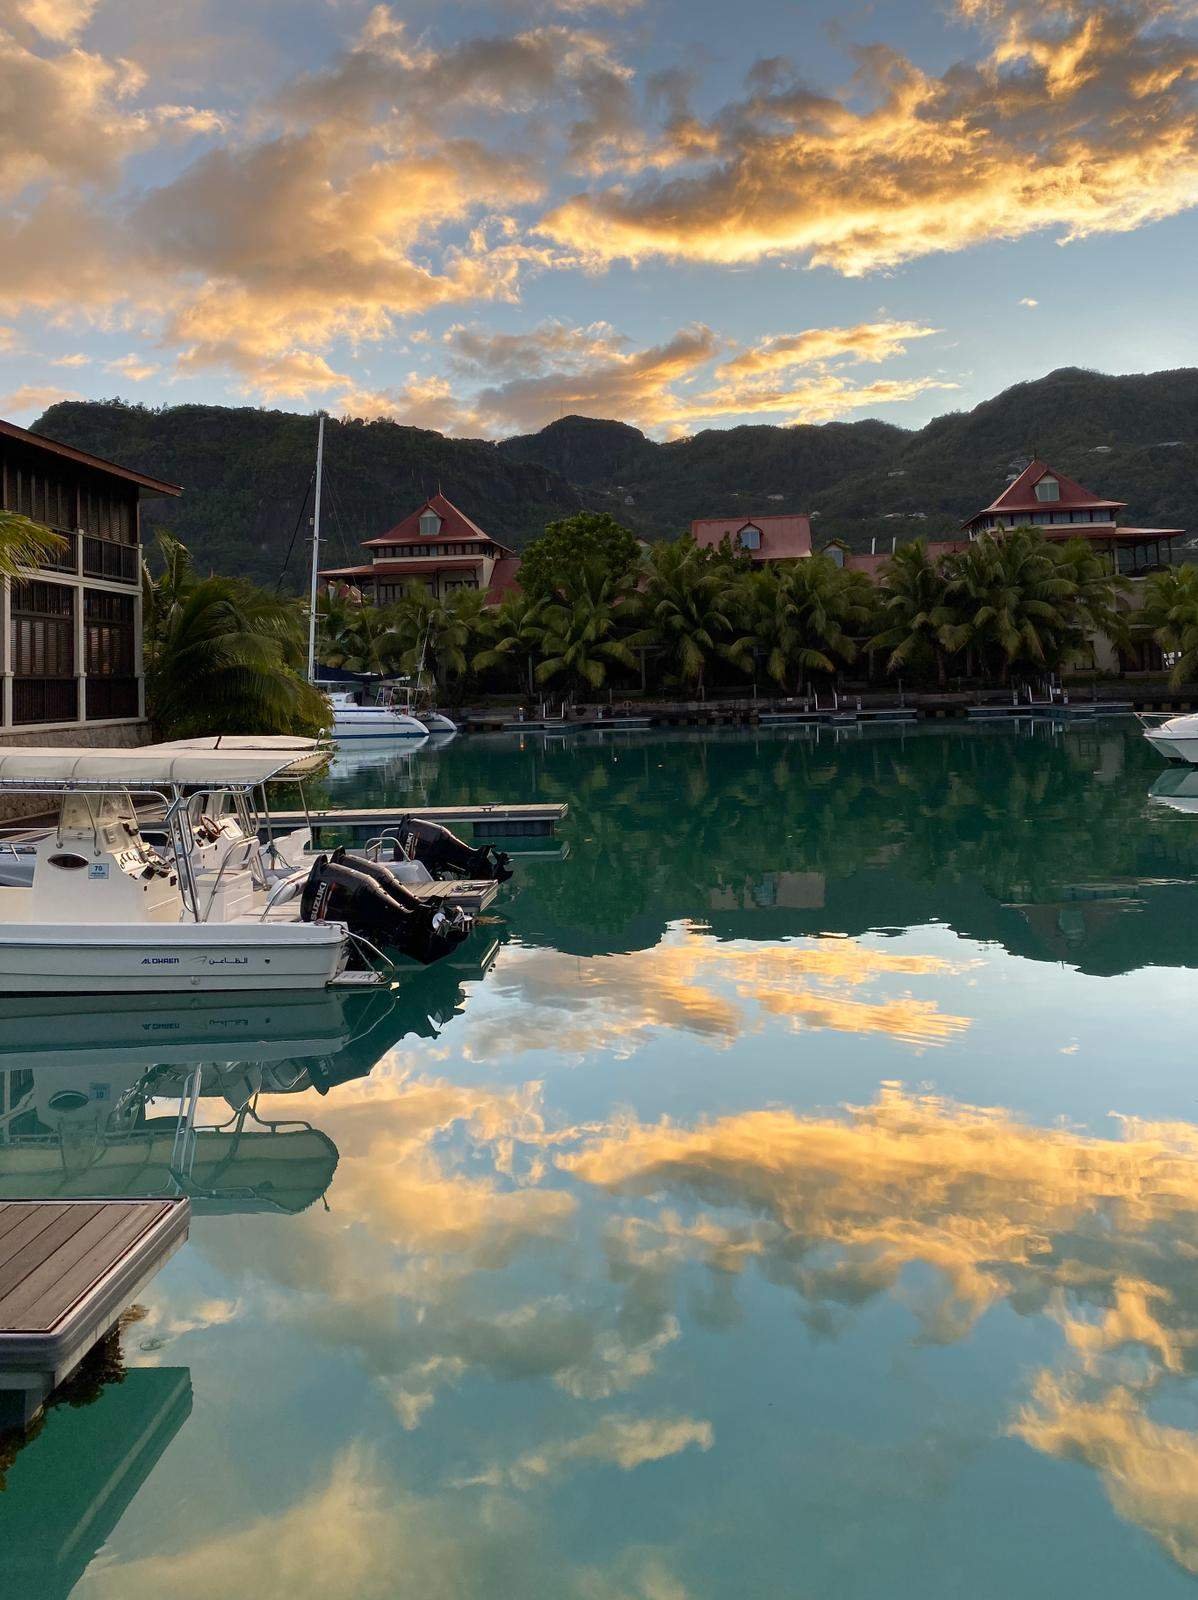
x=245, y=471
x=590, y=539
x=245, y=474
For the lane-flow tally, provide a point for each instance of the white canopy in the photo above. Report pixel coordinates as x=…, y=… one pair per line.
x=308, y=755
x=147, y=768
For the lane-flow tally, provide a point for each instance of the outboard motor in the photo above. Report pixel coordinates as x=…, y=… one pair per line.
x=345, y=890
x=447, y=856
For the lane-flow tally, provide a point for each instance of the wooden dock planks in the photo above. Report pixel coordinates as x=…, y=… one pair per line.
x=54, y=1252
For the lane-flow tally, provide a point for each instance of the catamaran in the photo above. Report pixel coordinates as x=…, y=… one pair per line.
x=153, y=879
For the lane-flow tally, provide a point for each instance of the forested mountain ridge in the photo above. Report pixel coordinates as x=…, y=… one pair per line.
x=245, y=471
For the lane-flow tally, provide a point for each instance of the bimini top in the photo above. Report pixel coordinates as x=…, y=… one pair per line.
x=146, y=769
x=308, y=755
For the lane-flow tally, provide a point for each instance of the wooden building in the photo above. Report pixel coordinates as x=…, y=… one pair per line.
x=70, y=630
x=437, y=546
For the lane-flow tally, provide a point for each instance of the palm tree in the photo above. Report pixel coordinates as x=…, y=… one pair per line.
x=25, y=544
x=513, y=632
x=581, y=638
x=436, y=635
x=804, y=619
x=1013, y=600
x=688, y=609
x=1170, y=618
x=918, y=619
x=1098, y=604
x=224, y=657
x=356, y=638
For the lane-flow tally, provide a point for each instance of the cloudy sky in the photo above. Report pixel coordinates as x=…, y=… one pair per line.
x=686, y=214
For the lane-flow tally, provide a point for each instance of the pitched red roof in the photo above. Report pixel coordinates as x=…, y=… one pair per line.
x=505, y=579
x=1021, y=495
x=783, y=538
x=455, y=526
x=403, y=569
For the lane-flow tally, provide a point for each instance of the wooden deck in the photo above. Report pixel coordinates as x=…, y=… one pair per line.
x=68, y=1268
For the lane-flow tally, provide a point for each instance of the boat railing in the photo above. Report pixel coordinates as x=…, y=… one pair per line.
x=373, y=848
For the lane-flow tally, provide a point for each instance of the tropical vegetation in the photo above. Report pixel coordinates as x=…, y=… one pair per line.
x=669, y=618
x=222, y=656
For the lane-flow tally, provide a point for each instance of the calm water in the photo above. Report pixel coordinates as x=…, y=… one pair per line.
x=794, y=1192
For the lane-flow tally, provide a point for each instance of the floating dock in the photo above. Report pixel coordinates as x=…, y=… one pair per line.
x=68, y=1269
x=532, y=821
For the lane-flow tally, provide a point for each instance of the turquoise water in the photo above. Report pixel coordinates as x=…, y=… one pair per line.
x=791, y=1192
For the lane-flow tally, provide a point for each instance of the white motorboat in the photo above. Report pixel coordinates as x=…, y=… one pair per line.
x=383, y=719
x=106, y=912
x=1176, y=738
x=181, y=894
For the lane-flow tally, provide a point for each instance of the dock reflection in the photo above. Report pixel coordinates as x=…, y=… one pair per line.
x=67, y=1486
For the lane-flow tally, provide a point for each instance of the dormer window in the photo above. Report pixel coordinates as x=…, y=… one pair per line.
x=749, y=537
x=430, y=525
x=1048, y=489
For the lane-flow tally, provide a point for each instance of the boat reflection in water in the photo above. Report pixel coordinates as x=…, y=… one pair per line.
x=138, y=1097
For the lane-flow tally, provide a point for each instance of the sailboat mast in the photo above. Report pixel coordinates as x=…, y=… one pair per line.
x=315, y=553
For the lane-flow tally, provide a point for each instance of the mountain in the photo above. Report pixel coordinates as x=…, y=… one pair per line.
x=245, y=471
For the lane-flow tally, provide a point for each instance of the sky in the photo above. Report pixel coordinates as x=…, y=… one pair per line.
x=680, y=213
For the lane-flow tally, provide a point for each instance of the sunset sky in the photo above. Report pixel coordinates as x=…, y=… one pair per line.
x=680, y=213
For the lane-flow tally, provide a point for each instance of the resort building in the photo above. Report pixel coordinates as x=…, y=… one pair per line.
x=775, y=538
x=1040, y=497
x=70, y=630
x=437, y=546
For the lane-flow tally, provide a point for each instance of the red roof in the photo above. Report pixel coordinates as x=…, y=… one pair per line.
x=455, y=526
x=39, y=441
x=783, y=538
x=403, y=569
x=505, y=579
x=1021, y=495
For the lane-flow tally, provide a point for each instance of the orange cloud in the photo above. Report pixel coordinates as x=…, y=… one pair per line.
x=1078, y=121
x=716, y=991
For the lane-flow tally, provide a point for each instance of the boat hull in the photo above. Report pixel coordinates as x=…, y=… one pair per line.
x=124, y=958
x=381, y=723
x=1177, y=747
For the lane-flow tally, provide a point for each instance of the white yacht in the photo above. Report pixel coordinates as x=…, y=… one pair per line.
x=1176, y=738
x=384, y=719
x=105, y=910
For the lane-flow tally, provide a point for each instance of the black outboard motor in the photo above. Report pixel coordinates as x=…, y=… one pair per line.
x=346, y=890
x=447, y=856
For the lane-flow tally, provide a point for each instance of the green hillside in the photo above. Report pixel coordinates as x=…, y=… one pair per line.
x=245, y=471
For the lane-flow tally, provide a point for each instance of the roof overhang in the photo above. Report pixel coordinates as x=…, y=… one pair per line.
x=38, y=441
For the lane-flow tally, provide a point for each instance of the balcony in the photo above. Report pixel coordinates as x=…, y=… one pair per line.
x=45, y=700
x=117, y=562
x=64, y=560
x=108, y=698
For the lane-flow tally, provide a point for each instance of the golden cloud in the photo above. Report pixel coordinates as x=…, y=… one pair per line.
x=523, y=380
x=1149, y=1470
x=1043, y=1217
x=717, y=991
x=1078, y=121
x=359, y=1534
x=622, y=1441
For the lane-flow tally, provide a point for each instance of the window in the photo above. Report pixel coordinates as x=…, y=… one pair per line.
x=43, y=631
x=749, y=537
x=430, y=525
x=108, y=634
x=1048, y=489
